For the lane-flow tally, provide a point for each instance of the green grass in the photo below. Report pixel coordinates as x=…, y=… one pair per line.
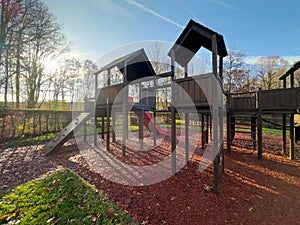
x=272, y=131
x=61, y=198
x=24, y=141
x=265, y=130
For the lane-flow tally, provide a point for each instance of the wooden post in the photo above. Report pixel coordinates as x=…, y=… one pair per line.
x=102, y=127
x=284, y=133
x=95, y=119
x=292, y=139
x=107, y=125
x=154, y=115
x=125, y=111
x=155, y=131
x=232, y=129
x=108, y=77
x=259, y=127
x=173, y=115
x=113, y=120
x=202, y=131
x=96, y=86
x=215, y=117
x=229, y=140
x=292, y=79
x=84, y=132
x=95, y=131
x=207, y=128
x=186, y=125
x=141, y=128
x=253, y=131
x=221, y=68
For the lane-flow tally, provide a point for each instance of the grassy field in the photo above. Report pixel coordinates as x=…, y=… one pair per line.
x=61, y=198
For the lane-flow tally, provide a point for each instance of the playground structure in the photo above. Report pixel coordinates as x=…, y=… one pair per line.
x=137, y=72
x=254, y=105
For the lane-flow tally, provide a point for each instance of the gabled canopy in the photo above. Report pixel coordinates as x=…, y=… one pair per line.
x=193, y=37
x=295, y=67
x=137, y=63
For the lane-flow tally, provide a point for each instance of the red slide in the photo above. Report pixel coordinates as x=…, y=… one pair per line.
x=148, y=120
x=149, y=123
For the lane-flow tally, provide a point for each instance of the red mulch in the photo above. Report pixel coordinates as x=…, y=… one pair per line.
x=252, y=191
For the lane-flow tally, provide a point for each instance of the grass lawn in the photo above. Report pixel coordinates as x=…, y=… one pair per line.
x=61, y=198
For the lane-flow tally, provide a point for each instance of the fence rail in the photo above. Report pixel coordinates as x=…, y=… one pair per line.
x=22, y=123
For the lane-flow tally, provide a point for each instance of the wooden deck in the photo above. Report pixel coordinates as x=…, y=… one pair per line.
x=277, y=101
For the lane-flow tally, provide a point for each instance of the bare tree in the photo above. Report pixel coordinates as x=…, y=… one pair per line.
x=158, y=57
x=88, y=78
x=297, y=78
x=234, y=71
x=43, y=40
x=12, y=18
x=268, y=70
x=198, y=65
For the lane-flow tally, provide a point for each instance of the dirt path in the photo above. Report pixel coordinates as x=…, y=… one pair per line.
x=252, y=191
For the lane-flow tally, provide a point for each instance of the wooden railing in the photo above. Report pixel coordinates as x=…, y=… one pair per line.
x=22, y=123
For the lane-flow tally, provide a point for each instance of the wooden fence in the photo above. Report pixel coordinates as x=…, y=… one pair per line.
x=23, y=123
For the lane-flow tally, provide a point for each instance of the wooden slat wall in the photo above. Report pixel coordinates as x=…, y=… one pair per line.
x=193, y=90
x=281, y=98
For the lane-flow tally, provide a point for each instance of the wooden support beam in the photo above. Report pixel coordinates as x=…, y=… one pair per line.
x=202, y=131
x=232, y=129
x=107, y=125
x=95, y=131
x=155, y=131
x=253, y=131
x=186, y=117
x=211, y=127
x=125, y=110
x=84, y=132
x=113, y=120
x=186, y=125
x=154, y=115
x=229, y=141
x=108, y=77
x=221, y=68
x=173, y=115
x=259, y=127
x=284, y=133
x=292, y=79
x=292, y=138
x=141, y=129
x=215, y=116
x=102, y=127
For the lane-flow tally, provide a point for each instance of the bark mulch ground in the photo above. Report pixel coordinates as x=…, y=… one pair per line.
x=252, y=191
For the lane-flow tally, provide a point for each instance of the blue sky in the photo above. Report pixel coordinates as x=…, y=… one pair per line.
x=260, y=28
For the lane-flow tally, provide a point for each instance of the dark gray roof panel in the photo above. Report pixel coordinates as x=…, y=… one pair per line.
x=193, y=37
x=138, y=65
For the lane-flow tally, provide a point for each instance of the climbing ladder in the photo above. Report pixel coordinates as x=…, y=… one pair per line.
x=66, y=133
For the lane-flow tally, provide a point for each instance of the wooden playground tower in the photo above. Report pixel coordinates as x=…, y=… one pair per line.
x=135, y=69
x=254, y=105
